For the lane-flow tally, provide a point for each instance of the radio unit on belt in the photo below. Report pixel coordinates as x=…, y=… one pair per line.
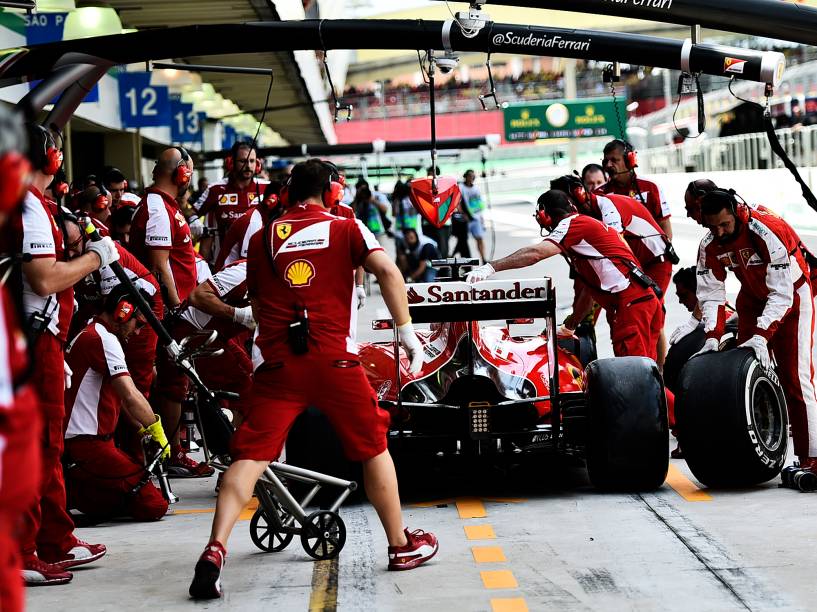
x=38, y=321
x=298, y=333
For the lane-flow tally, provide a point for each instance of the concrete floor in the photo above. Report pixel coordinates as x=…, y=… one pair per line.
x=538, y=538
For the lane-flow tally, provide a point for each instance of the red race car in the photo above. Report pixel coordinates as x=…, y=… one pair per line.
x=484, y=391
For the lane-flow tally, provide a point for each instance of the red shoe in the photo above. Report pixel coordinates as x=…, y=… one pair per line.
x=809, y=463
x=80, y=554
x=37, y=572
x=182, y=466
x=419, y=548
x=207, y=577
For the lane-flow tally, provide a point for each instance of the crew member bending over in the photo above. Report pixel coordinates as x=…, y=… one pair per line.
x=100, y=479
x=219, y=304
x=300, y=274
x=775, y=307
x=604, y=263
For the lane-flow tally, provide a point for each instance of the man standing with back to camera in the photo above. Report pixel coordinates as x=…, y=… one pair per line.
x=300, y=278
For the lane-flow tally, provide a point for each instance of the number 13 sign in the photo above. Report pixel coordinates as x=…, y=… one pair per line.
x=140, y=103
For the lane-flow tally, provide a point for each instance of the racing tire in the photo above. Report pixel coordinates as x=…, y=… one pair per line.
x=732, y=419
x=627, y=432
x=678, y=355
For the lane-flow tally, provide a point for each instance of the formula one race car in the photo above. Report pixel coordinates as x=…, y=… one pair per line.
x=485, y=391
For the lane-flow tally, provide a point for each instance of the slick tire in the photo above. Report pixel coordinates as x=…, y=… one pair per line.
x=627, y=434
x=732, y=420
x=678, y=355
x=583, y=345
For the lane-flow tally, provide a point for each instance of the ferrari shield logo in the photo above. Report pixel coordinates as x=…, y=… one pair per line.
x=283, y=230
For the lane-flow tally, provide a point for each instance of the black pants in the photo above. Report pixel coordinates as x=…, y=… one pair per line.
x=459, y=228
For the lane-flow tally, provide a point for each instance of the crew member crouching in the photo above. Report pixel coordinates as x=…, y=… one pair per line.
x=775, y=307
x=101, y=480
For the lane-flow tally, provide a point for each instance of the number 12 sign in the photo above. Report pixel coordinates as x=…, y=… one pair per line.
x=142, y=104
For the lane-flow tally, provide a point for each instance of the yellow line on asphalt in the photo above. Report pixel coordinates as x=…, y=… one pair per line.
x=488, y=554
x=470, y=507
x=479, y=532
x=246, y=513
x=498, y=579
x=513, y=604
x=324, y=596
x=685, y=487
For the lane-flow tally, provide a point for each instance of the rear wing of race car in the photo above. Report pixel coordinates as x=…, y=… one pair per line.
x=489, y=300
x=450, y=301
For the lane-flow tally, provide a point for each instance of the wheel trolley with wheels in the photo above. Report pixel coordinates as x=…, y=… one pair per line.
x=280, y=516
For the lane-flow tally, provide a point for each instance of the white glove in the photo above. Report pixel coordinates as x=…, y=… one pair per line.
x=759, y=345
x=243, y=316
x=196, y=227
x=684, y=329
x=67, y=374
x=710, y=346
x=564, y=330
x=484, y=272
x=360, y=290
x=412, y=345
x=105, y=249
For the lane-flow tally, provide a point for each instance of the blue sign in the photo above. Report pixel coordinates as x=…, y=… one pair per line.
x=185, y=123
x=228, y=136
x=142, y=104
x=44, y=28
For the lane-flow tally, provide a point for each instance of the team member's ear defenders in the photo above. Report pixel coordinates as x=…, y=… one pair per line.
x=333, y=192
x=739, y=208
x=119, y=304
x=44, y=154
x=182, y=174
x=231, y=161
x=543, y=218
x=101, y=201
x=573, y=186
x=630, y=155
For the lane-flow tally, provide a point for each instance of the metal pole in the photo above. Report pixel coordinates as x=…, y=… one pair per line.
x=433, y=117
x=571, y=93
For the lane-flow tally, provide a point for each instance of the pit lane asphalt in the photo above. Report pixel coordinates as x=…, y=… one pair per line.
x=536, y=538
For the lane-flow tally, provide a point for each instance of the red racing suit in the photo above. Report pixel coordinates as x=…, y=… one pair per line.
x=775, y=302
x=237, y=239
x=222, y=203
x=20, y=454
x=302, y=268
x=642, y=191
x=599, y=257
x=646, y=239
x=100, y=477
x=47, y=527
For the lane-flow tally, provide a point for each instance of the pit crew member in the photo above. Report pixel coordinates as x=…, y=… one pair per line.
x=603, y=262
x=620, y=162
x=95, y=203
x=645, y=238
x=160, y=238
x=237, y=239
x=117, y=185
x=225, y=201
x=774, y=305
x=300, y=274
x=593, y=176
x=20, y=421
x=49, y=546
x=101, y=480
x=219, y=303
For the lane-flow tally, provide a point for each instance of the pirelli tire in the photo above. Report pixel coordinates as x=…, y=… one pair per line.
x=627, y=433
x=731, y=418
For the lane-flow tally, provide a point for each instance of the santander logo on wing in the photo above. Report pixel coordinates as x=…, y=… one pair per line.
x=429, y=294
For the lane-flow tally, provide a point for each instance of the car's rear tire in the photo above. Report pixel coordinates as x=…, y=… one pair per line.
x=732, y=420
x=627, y=434
x=678, y=355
